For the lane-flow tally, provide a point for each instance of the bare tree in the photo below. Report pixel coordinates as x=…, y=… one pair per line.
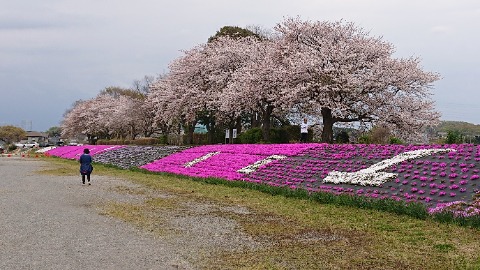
x=143, y=85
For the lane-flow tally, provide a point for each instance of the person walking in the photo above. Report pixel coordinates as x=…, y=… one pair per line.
x=86, y=167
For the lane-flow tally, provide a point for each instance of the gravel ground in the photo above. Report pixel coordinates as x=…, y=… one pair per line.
x=53, y=222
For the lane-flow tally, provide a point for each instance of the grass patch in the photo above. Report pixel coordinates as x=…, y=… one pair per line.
x=127, y=212
x=60, y=168
x=444, y=247
x=148, y=215
x=300, y=231
x=446, y=217
x=129, y=190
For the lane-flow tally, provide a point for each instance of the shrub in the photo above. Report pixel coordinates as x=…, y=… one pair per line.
x=279, y=135
x=147, y=141
x=141, y=141
x=394, y=140
x=342, y=137
x=200, y=138
x=364, y=139
x=380, y=135
x=163, y=139
x=11, y=147
x=253, y=135
x=454, y=136
x=294, y=133
x=106, y=142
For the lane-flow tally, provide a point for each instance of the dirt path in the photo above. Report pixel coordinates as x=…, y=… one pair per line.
x=50, y=222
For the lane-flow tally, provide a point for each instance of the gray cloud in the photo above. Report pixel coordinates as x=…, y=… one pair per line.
x=54, y=52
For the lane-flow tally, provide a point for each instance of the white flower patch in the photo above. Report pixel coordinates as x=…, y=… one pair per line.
x=372, y=176
x=258, y=164
x=45, y=149
x=202, y=158
x=106, y=149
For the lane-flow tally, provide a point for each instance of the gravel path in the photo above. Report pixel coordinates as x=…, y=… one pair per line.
x=51, y=222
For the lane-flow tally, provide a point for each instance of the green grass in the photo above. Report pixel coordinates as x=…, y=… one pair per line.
x=302, y=231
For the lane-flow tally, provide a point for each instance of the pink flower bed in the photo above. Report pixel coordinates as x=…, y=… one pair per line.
x=458, y=208
x=436, y=179
x=224, y=164
x=445, y=180
x=74, y=152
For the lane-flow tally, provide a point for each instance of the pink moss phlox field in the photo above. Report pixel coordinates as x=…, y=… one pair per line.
x=434, y=180
x=443, y=181
x=226, y=163
x=74, y=152
x=457, y=208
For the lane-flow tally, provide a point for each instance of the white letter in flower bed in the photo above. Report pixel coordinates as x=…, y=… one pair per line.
x=202, y=158
x=372, y=176
x=256, y=165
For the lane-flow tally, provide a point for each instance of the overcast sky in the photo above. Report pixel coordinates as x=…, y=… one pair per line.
x=54, y=52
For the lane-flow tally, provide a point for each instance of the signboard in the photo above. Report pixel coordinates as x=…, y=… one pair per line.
x=227, y=134
x=234, y=133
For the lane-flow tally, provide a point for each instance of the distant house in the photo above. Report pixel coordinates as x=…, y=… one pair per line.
x=39, y=137
x=442, y=134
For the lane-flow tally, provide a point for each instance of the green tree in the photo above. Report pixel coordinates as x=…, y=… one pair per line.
x=454, y=136
x=10, y=134
x=54, y=132
x=233, y=32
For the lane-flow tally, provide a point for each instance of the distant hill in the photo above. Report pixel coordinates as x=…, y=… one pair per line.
x=465, y=128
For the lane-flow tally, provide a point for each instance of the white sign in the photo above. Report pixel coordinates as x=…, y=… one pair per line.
x=227, y=134
x=200, y=159
x=372, y=176
x=234, y=133
x=253, y=167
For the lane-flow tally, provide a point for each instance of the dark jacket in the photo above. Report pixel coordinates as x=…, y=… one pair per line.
x=86, y=164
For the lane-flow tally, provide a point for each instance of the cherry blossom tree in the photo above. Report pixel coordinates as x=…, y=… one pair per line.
x=136, y=114
x=348, y=76
x=183, y=92
x=80, y=120
x=261, y=85
x=131, y=116
x=146, y=118
x=332, y=70
x=193, y=88
x=165, y=105
x=109, y=115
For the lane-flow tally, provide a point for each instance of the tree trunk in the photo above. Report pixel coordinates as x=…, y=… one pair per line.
x=133, y=132
x=211, y=133
x=266, y=123
x=210, y=126
x=238, y=125
x=91, y=139
x=190, y=130
x=254, y=121
x=328, y=121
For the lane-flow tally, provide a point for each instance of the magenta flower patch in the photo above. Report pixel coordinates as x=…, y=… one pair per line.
x=227, y=161
x=74, y=152
x=441, y=176
x=431, y=174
